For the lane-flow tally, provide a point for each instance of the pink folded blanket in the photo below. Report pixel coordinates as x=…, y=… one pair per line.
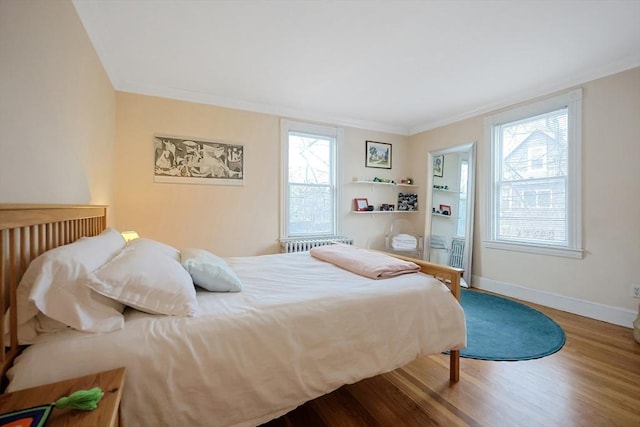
x=363, y=262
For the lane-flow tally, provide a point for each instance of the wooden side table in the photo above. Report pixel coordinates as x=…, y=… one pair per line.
x=107, y=413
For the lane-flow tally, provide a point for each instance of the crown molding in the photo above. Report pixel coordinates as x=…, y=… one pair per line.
x=280, y=111
x=628, y=63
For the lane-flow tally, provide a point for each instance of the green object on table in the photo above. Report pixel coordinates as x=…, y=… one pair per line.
x=86, y=400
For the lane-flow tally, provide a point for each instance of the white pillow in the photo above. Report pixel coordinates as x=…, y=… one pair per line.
x=147, y=276
x=159, y=247
x=54, y=285
x=209, y=271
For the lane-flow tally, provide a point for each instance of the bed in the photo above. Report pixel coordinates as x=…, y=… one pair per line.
x=298, y=329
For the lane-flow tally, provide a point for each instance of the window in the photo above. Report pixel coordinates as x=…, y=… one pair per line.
x=462, y=205
x=535, y=180
x=309, y=175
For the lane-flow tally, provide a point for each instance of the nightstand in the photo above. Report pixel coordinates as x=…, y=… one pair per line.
x=107, y=413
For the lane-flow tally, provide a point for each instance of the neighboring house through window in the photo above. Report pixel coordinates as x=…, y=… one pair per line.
x=310, y=194
x=535, y=179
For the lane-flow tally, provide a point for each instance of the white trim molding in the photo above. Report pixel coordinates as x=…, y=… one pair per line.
x=606, y=313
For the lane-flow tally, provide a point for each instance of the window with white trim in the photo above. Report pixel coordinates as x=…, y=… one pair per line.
x=310, y=193
x=534, y=184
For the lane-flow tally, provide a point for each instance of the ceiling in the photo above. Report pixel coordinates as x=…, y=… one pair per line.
x=393, y=66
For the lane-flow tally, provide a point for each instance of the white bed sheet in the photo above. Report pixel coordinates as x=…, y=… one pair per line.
x=300, y=328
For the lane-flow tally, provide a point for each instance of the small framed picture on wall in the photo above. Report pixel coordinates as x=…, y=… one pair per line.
x=438, y=166
x=377, y=155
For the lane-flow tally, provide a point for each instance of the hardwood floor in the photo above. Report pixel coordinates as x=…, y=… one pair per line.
x=594, y=380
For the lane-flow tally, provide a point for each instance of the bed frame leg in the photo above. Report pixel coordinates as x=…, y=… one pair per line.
x=454, y=366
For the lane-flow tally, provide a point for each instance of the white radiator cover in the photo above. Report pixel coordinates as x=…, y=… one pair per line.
x=301, y=245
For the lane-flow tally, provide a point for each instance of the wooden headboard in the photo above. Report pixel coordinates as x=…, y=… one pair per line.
x=26, y=231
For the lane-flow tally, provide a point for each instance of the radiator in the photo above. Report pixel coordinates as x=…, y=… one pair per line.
x=457, y=253
x=301, y=245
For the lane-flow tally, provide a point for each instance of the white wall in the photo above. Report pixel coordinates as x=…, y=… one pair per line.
x=57, y=108
x=597, y=285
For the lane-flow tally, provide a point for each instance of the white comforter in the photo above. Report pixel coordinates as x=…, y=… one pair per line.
x=300, y=328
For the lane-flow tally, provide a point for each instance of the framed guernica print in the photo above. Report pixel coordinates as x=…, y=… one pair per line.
x=196, y=161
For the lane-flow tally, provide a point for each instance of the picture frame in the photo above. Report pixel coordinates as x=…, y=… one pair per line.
x=438, y=166
x=361, y=204
x=378, y=155
x=445, y=210
x=407, y=202
x=181, y=160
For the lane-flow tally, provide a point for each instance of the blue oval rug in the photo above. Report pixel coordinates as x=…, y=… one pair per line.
x=501, y=329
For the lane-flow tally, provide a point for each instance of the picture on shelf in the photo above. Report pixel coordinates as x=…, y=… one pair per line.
x=407, y=202
x=361, y=204
x=445, y=209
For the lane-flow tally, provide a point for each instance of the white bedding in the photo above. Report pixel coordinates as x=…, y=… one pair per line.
x=300, y=328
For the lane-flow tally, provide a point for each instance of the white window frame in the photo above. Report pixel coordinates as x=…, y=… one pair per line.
x=328, y=131
x=573, y=101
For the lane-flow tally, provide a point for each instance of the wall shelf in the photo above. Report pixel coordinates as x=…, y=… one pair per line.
x=383, y=212
x=383, y=183
x=446, y=191
x=399, y=188
x=443, y=216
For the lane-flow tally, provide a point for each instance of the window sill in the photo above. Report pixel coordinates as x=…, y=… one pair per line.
x=534, y=249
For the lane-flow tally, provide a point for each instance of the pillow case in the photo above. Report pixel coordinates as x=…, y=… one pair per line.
x=53, y=284
x=210, y=271
x=147, y=276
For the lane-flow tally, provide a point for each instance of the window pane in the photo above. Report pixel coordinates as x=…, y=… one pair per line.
x=533, y=180
x=535, y=147
x=309, y=159
x=310, y=209
x=527, y=212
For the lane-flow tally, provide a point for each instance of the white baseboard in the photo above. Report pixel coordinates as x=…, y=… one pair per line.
x=606, y=313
